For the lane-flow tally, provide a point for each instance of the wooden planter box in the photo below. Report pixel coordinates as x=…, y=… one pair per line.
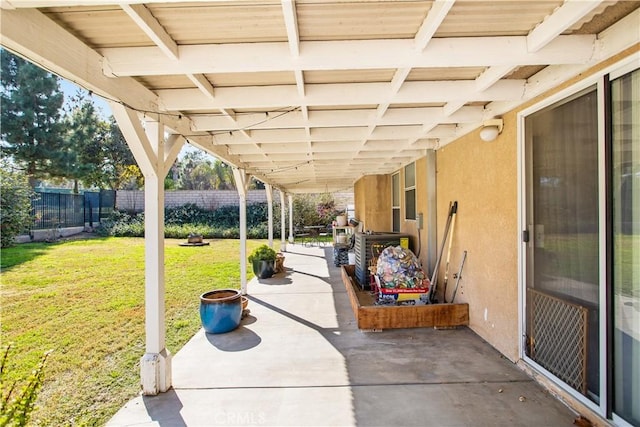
x=373, y=317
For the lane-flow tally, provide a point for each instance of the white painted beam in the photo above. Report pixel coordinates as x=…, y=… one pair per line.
x=359, y=54
x=156, y=32
x=293, y=141
x=291, y=24
x=408, y=116
x=318, y=135
x=300, y=83
x=244, y=149
x=152, y=28
x=203, y=84
x=561, y=19
x=173, y=144
x=273, y=97
x=451, y=107
x=437, y=13
x=492, y=75
x=398, y=78
x=617, y=37
x=131, y=127
x=62, y=3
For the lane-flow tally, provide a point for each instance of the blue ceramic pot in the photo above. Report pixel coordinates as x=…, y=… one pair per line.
x=220, y=310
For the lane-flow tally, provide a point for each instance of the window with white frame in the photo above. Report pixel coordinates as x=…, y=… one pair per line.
x=395, y=202
x=410, y=191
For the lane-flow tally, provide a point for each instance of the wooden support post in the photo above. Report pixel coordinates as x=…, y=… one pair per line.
x=290, y=218
x=269, y=190
x=242, y=182
x=283, y=222
x=155, y=156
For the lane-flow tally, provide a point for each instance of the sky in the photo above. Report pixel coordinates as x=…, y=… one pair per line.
x=70, y=89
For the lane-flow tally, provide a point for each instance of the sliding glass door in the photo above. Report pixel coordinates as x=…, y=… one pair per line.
x=581, y=176
x=563, y=257
x=625, y=179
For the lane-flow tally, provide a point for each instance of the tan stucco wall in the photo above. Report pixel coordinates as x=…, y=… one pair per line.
x=482, y=177
x=372, y=197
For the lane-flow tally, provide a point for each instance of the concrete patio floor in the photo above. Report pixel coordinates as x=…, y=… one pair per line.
x=298, y=359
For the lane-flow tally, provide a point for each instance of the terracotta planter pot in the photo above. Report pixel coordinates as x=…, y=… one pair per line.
x=279, y=263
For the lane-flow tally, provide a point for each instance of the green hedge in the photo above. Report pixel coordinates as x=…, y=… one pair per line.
x=223, y=223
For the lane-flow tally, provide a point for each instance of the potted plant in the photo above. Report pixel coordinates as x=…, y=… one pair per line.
x=263, y=260
x=279, y=262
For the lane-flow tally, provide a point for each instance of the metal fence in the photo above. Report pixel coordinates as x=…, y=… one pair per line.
x=98, y=205
x=53, y=210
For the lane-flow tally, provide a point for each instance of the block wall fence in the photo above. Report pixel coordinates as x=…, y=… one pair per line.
x=133, y=200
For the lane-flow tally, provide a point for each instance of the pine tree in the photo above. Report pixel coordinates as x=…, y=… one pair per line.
x=120, y=164
x=30, y=102
x=83, y=154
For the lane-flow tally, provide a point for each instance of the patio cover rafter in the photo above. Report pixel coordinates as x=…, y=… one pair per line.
x=346, y=55
x=340, y=119
x=272, y=98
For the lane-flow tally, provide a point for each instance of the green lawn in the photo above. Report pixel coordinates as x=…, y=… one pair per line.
x=577, y=257
x=85, y=300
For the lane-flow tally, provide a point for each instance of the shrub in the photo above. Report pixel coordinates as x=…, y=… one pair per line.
x=257, y=214
x=264, y=253
x=15, y=207
x=226, y=217
x=230, y=233
x=122, y=224
x=16, y=406
x=223, y=223
x=187, y=214
x=259, y=232
x=313, y=209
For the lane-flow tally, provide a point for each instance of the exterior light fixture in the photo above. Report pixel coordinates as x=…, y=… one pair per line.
x=491, y=129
